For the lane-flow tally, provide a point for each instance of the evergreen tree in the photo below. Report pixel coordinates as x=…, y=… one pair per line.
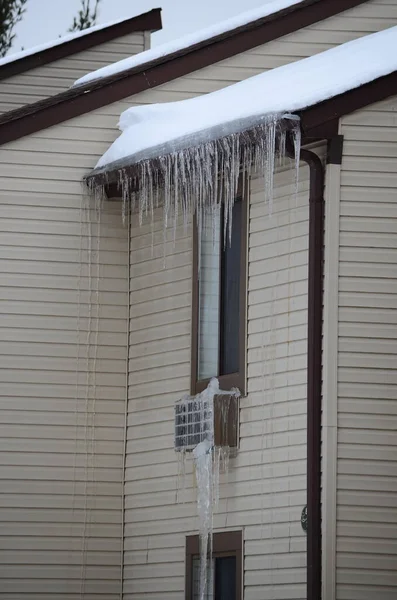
x=86, y=16
x=11, y=12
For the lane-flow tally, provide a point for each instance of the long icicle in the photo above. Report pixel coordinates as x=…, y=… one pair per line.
x=194, y=430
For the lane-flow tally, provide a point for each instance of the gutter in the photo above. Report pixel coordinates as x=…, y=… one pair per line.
x=314, y=371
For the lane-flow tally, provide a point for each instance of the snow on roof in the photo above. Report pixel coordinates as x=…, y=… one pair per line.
x=157, y=129
x=58, y=42
x=192, y=39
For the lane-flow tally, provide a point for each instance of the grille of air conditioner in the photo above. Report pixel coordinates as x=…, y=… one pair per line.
x=202, y=418
x=194, y=422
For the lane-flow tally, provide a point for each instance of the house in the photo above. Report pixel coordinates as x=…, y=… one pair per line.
x=97, y=325
x=51, y=68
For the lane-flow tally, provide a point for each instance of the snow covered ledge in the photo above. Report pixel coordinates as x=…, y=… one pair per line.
x=193, y=171
x=187, y=154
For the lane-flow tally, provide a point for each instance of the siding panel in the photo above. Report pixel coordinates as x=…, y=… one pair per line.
x=366, y=480
x=61, y=420
x=58, y=76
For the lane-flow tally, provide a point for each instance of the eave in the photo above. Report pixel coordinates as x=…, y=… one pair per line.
x=86, y=98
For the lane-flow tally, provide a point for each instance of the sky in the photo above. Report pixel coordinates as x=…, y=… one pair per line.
x=46, y=20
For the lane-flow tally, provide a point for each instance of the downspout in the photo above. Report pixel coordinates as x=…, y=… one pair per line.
x=314, y=374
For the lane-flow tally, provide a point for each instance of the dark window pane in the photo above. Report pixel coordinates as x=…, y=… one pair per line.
x=225, y=578
x=230, y=297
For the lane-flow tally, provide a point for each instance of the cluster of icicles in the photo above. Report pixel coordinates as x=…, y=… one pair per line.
x=192, y=181
x=198, y=418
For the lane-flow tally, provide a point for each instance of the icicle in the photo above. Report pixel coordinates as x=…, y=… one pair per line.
x=297, y=138
x=88, y=223
x=216, y=477
x=97, y=264
x=125, y=191
x=194, y=430
x=78, y=342
x=203, y=465
x=181, y=477
x=193, y=180
x=282, y=147
x=90, y=220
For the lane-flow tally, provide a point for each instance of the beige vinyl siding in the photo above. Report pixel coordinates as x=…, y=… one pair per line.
x=367, y=409
x=265, y=500
x=159, y=372
x=61, y=444
x=58, y=76
x=273, y=416
x=44, y=445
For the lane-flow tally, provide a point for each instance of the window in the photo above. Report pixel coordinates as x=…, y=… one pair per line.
x=219, y=300
x=226, y=566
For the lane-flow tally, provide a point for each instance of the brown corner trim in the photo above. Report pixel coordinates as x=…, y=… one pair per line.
x=335, y=150
x=86, y=98
x=149, y=21
x=314, y=372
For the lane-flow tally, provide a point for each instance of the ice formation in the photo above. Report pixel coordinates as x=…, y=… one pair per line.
x=155, y=130
x=187, y=155
x=194, y=430
x=191, y=181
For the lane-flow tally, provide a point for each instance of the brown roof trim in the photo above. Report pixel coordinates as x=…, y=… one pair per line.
x=82, y=99
x=149, y=21
x=321, y=119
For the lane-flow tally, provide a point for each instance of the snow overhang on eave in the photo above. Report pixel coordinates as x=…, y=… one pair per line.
x=247, y=136
x=190, y=175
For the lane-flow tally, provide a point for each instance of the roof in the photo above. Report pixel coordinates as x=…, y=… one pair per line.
x=77, y=42
x=157, y=130
x=86, y=98
x=189, y=40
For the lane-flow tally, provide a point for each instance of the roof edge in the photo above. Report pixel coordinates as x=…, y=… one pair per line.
x=319, y=121
x=149, y=21
x=82, y=99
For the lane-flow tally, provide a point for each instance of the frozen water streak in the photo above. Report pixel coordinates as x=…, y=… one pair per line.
x=209, y=461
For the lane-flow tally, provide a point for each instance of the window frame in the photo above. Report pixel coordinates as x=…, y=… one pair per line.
x=226, y=543
x=232, y=380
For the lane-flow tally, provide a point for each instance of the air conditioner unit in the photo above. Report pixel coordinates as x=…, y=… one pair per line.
x=212, y=417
